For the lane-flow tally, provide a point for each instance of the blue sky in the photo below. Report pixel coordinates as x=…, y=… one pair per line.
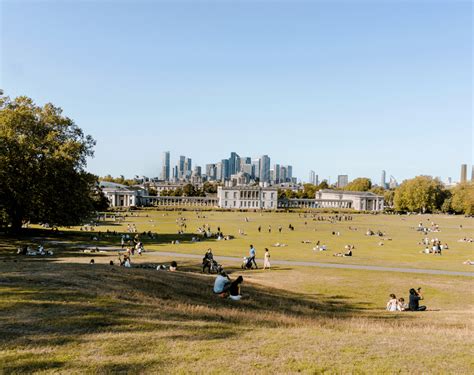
x=341, y=87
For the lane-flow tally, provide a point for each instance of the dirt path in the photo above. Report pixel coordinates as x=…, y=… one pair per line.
x=323, y=265
x=291, y=262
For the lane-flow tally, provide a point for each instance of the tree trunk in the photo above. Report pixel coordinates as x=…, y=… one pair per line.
x=16, y=224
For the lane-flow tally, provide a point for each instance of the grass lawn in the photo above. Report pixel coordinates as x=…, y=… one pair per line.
x=60, y=314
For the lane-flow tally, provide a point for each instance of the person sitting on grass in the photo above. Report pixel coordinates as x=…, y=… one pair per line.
x=173, y=266
x=392, y=304
x=402, y=305
x=415, y=297
x=234, y=289
x=222, y=284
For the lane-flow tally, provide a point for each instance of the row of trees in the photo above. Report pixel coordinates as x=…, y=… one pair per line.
x=189, y=190
x=428, y=194
x=42, y=166
x=419, y=194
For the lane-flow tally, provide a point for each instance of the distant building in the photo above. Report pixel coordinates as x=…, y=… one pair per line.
x=225, y=170
x=181, y=166
x=124, y=196
x=239, y=179
x=472, y=174
x=276, y=174
x=247, y=197
x=342, y=180
x=256, y=168
x=265, y=168
x=463, y=173
x=211, y=172
x=360, y=200
x=289, y=173
x=283, y=174
x=234, y=163
x=383, y=180
x=165, y=169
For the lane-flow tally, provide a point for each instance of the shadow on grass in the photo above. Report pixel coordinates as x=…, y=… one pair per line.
x=69, y=240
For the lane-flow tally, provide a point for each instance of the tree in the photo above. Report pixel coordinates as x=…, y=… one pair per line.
x=323, y=185
x=42, y=165
x=118, y=180
x=462, y=200
x=419, y=194
x=209, y=188
x=189, y=191
x=359, y=184
x=388, y=197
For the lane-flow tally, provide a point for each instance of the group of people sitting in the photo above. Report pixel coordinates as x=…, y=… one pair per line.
x=26, y=250
x=436, y=247
x=415, y=297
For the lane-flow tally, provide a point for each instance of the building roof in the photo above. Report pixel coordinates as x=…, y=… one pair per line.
x=348, y=192
x=248, y=188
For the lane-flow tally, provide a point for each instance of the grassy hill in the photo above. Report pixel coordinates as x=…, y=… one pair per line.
x=64, y=315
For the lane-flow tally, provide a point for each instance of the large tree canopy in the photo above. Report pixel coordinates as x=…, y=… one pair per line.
x=462, y=200
x=420, y=194
x=42, y=165
x=359, y=184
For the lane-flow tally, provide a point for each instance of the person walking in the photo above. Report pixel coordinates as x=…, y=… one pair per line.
x=252, y=255
x=266, y=260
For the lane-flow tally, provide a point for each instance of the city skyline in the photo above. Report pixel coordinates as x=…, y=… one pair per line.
x=276, y=79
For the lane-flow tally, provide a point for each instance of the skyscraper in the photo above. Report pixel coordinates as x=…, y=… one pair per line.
x=256, y=168
x=463, y=173
x=182, y=161
x=225, y=170
x=342, y=180
x=283, y=174
x=472, y=174
x=219, y=172
x=234, y=163
x=276, y=177
x=165, y=169
x=383, y=179
x=289, y=173
x=265, y=168
x=312, y=177
x=187, y=167
x=211, y=172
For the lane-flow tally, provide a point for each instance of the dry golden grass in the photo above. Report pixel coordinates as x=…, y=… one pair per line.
x=76, y=318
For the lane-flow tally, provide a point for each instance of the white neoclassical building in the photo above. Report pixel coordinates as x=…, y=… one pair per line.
x=358, y=200
x=247, y=197
x=124, y=196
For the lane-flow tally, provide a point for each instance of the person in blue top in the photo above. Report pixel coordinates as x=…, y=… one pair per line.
x=252, y=254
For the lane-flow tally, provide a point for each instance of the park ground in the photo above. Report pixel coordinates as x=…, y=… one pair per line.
x=60, y=314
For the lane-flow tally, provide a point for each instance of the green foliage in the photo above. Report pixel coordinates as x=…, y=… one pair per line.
x=378, y=190
x=359, y=184
x=462, y=200
x=388, y=197
x=42, y=165
x=420, y=194
x=189, y=190
x=209, y=188
x=118, y=180
x=323, y=185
